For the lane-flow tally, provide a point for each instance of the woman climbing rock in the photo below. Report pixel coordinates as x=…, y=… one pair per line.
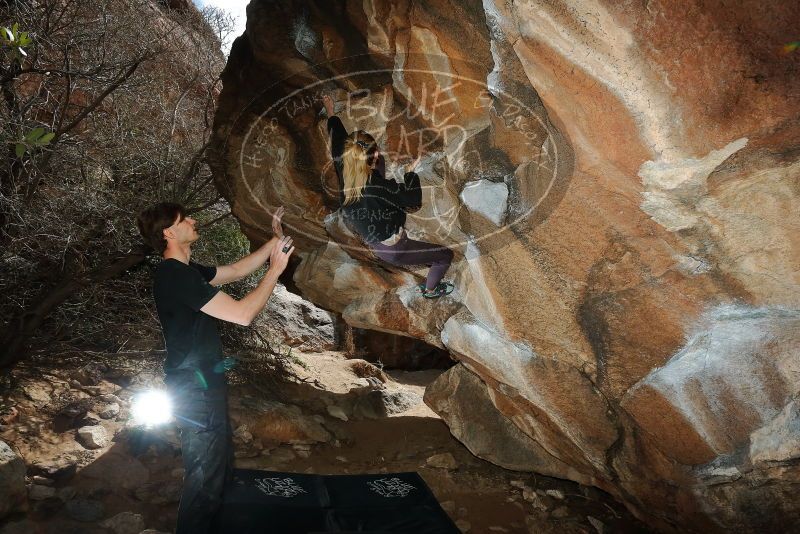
x=375, y=207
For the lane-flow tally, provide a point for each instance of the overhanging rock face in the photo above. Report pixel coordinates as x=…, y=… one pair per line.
x=620, y=185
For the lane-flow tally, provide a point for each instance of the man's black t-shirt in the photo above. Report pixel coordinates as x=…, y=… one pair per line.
x=191, y=336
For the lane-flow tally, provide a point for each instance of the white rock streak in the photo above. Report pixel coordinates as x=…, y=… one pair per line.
x=672, y=188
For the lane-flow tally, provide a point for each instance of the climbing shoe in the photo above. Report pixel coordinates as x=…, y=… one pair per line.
x=441, y=289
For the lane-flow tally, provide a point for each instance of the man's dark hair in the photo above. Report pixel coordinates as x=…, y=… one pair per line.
x=154, y=220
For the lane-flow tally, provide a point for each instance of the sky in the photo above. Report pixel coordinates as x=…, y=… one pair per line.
x=235, y=8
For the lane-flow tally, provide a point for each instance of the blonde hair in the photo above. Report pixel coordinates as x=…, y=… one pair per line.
x=359, y=151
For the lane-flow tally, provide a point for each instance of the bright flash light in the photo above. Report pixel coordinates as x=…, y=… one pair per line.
x=151, y=408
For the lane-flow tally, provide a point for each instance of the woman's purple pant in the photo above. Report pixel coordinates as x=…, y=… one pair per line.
x=410, y=252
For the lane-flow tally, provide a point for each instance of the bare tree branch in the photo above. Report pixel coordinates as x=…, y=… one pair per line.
x=111, y=103
x=97, y=101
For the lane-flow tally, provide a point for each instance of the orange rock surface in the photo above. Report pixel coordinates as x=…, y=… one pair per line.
x=627, y=272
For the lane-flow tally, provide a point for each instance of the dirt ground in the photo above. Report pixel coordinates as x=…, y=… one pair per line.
x=139, y=473
x=479, y=496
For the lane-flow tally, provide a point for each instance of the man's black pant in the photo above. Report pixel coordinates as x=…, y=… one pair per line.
x=201, y=410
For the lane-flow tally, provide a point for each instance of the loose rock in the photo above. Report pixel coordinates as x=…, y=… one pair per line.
x=42, y=481
x=93, y=437
x=47, y=508
x=109, y=411
x=66, y=493
x=59, y=468
x=39, y=493
x=12, y=479
x=337, y=412
x=125, y=523
x=442, y=461
x=8, y=415
x=242, y=435
x=463, y=526
x=534, y=498
x=281, y=455
x=85, y=510
x=38, y=393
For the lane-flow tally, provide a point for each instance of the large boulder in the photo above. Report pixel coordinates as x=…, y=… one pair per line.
x=463, y=400
x=297, y=322
x=618, y=181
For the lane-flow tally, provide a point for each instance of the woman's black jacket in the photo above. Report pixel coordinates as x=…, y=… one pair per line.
x=381, y=210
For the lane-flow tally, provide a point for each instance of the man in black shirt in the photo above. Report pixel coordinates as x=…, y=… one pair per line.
x=187, y=301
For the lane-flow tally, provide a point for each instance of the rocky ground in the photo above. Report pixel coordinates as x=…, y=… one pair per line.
x=88, y=469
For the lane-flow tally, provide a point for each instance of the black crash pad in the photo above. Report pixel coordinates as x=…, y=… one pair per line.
x=269, y=502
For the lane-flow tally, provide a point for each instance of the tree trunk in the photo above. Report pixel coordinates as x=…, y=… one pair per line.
x=15, y=335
